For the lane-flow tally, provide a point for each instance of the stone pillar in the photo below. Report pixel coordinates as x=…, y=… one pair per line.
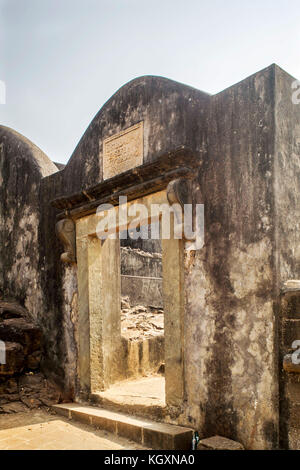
x=83, y=317
x=99, y=312
x=173, y=279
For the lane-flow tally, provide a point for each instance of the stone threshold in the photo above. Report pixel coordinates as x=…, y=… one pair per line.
x=152, y=411
x=157, y=436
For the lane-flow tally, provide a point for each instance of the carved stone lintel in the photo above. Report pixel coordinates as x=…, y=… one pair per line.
x=180, y=196
x=65, y=231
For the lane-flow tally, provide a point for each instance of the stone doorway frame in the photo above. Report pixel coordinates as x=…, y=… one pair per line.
x=76, y=228
x=99, y=289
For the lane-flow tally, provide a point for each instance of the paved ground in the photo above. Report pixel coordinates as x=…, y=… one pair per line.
x=39, y=430
x=146, y=391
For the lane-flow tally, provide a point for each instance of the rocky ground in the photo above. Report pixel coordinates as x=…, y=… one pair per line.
x=22, y=385
x=25, y=392
x=141, y=322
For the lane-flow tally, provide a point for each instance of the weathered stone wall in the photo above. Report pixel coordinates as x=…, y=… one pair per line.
x=287, y=178
x=140, y=263
x=147, y=244
x=289, y=332
x=230, y=336
x=230, y=333
x=30, y=268
x=143, y=291
x=250, y=188
x=22, y=166
x=22, y=261
x=141, y=277
x=154, y=100
x=143, y=357
x=247, y=142
x=59, y=283
x=287, y=203
x=22, y=386
x=173, y=115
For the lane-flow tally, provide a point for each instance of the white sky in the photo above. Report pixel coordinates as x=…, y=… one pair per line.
x=62, y=59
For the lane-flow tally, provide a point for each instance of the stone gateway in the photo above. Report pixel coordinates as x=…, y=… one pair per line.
x=192, y=339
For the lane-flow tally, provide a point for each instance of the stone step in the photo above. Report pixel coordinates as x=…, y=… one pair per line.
x=157, y=436
x=143, y=397
x=142, y=408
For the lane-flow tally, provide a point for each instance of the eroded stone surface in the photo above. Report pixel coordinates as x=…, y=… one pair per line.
x=219, y=443
x=12, y=310
x=21, y=331
x=223, y=319
x=141, y=322
x=28, y=390
x=21, y=339
x=15, y=359
x=21, y=390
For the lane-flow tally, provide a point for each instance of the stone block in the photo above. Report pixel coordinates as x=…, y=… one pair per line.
x=129, y=431
x=219, y=443
x=62, y=411
x=149, y=433
x=167, y=437
x=158, y=440
x=81, y=416
x=101, y=422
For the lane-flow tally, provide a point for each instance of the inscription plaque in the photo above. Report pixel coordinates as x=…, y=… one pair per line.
x=123, y=151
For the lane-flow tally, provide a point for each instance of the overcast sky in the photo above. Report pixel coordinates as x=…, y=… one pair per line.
x=62, y=59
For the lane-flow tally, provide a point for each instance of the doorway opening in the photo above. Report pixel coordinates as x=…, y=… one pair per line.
x=131, y=315
x=142, y=320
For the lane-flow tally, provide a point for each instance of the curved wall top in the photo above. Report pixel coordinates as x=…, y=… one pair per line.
x=172, y=115
x=17, y=147
x=22, y=167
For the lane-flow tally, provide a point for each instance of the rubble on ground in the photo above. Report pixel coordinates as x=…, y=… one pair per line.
x=22, y=386
x=26, y=392
x=141, y=322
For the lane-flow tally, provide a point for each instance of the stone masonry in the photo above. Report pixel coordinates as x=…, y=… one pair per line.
x=229, y=323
